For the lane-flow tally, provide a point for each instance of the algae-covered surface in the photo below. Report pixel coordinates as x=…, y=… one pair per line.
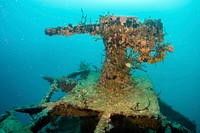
x=92, y=108
x=138, y=99
x=11, y=125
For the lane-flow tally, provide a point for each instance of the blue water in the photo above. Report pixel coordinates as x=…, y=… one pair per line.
x=26, y=53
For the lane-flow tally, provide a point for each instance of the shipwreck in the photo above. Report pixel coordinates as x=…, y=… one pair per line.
x=110, y=99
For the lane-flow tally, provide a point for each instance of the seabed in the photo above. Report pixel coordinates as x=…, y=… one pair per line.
x=110, y=99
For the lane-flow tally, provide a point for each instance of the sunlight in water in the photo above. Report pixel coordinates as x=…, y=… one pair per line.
x=151, y=4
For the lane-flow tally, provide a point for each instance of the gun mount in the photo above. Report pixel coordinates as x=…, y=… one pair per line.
x=128, y=43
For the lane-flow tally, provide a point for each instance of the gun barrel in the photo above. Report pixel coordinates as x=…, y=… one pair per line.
x=92, y=29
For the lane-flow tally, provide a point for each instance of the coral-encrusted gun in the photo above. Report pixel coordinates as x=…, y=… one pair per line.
x=138, y=42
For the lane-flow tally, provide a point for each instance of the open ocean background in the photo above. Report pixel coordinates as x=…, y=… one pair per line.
x=26, y=53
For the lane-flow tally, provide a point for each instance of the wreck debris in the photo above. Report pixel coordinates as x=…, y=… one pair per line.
x=4, y=116
x=103, y=123
x=110, y=98
x=66, y=83
x=176, y=121
x=52, y=88
x=12, y=125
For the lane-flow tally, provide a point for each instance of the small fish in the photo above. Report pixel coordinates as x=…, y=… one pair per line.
x=96, y=39
x=128, y=64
